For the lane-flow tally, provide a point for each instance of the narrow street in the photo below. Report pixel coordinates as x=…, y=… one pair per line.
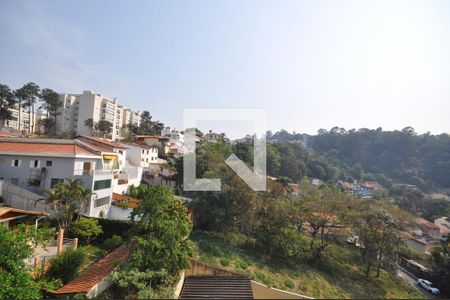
x=412, y=280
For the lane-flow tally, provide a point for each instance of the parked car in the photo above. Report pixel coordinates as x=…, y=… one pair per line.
x=428, y=286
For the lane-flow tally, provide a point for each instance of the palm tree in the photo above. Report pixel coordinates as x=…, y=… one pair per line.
x=89, y=123
x=67, y=199
x=27, y=96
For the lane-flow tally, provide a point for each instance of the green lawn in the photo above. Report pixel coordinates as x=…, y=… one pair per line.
x=340, y=274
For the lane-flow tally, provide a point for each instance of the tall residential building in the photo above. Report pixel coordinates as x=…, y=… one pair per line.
x=77, y=108
x=24, y=119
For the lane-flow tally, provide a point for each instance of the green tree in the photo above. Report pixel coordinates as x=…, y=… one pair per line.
x=66, y=199
x=161, y=229
x=378, y=232
x=105, y=127
x=51, y=103
x=440, y=258
x=15, y=247
x=86, y=229
x=27, y=96
x=89, y=123
x=7, y=102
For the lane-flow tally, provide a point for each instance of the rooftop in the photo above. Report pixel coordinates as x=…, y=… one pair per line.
x=42, y=147
x=96, y=272
x=216, y=287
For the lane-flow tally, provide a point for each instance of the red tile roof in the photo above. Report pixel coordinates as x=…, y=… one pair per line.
x=92, y=275
x=104, y=142
x=132, y=202
x=36, y=147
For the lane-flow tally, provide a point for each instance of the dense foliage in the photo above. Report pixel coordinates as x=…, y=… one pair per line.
x=86, y=229
x=160, y=245
x=66, y=265
x=396, y=156
x=15, y=247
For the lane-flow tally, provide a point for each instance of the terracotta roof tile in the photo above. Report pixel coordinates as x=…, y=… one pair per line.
x=92, y=275
x=132, y=202
x=36, y=147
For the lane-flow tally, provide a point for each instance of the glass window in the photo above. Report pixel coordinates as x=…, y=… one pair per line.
x=49, y=163
x=55, y=181
x=102, y=184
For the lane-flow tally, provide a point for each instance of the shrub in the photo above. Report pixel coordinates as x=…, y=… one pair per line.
x=86, y=229
x=115, y=227
x=289, y=284
x=113, y=242
x=225, y=261
x=242, y=264
x=66, y=265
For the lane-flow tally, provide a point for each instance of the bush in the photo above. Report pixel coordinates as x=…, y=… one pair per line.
x=66, y=265
x=115, y=227
x=86, y=229
x=289, y=284
x=225, y=261
x=113, y=242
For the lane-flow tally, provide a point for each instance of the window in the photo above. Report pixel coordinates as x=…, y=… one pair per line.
x=142, y=160
x=102, y=184
x=55, y=181
x=146, y=160
x=49, y=163
x=143, y=151
x=15, y=181
x=87, y=166
x=34, y=163
x=148, y=151
x=16, y=163
x=101, y=201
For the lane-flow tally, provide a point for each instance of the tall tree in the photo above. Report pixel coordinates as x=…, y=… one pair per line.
x=162, y=228
x=50, y=101
x=27, y=95
x=146, y=124
x=105, y=127
x=7, y=101
x=89, y=123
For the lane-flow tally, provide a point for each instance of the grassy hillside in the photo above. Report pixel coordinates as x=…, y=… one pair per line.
x=340, y=275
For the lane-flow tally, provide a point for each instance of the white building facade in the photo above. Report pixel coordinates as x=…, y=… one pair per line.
x=77, y=108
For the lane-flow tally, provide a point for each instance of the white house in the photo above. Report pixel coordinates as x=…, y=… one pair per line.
x=141, y=154
x=39, y=164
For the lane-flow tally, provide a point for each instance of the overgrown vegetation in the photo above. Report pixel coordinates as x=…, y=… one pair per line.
x=160, y=245
x=340, y=274
x=66, y=265
x=16, y=245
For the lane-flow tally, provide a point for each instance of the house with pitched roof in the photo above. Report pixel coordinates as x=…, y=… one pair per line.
x=36, y=165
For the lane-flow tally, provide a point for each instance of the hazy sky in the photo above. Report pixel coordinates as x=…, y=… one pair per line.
x=311, y=64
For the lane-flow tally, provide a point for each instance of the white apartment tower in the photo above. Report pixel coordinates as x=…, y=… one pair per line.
x=77, y=108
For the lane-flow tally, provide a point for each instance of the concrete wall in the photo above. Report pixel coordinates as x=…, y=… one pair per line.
x=118, y=213
x=17, y=197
